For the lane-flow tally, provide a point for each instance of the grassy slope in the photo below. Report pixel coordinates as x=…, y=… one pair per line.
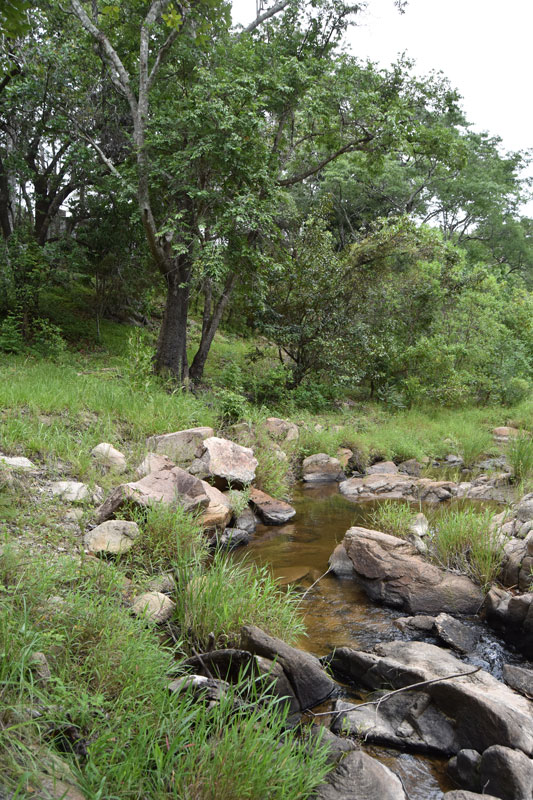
x=109, y=673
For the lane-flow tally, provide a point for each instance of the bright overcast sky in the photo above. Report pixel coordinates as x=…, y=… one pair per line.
x=484, y=47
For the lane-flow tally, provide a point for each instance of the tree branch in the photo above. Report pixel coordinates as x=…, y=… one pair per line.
x=119, y=76
x=270, y=12
x=317, y=167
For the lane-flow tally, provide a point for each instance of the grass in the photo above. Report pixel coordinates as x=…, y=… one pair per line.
x=462, y=540
x=169, y=539
x=520, y=457
x=221, y=599
x=392, y=517
x=106, y=712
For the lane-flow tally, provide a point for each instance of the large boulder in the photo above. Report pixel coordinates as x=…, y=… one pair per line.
x=358, y=776
x=153, y=462
x=109, y=457
x=506, y=773
x=512, y=616
x=225, y=463
x=218, y=513
x=170, y=486
x=309, y=682
x=271, y=511
x=388, y=485
x=281, y=429
x=383, y=468
x=461, y=794
x=379, y=485
x=321, y=468
x=112, y=536
x=391, y=572
x=181, y=446
x=473, y=712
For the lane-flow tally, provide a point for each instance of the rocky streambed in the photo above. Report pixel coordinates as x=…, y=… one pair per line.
x=478, y=721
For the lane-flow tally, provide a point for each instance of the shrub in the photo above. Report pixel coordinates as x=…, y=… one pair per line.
x=11, y=338
x=231, y=405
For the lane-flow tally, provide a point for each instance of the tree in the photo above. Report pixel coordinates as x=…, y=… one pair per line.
x=292, y=110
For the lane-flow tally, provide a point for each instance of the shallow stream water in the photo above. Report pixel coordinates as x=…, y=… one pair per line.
x=337, y=612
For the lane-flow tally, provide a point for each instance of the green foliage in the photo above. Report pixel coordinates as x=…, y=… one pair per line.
x=109, y=683
x=11, y=338
x=465, y=540
x=232, y=406
x=137, y=364
x=226, y=596
x=520, y=456
x=391, y=517
x=170, y=539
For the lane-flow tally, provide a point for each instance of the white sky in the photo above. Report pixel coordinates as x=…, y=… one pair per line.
x=484, y=47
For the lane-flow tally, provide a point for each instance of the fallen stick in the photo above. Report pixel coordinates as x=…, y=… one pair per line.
x=386, y=696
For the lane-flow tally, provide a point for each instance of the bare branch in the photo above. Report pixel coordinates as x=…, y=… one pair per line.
x=159, y=58
x=270, y=12
x=119, y=75
x=317, y=167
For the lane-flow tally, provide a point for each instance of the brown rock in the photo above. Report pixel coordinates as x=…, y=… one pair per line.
x=391, y=572
x=218, y=513
x=170, y=486
x=321, y=468
x=271, y=511
x=153, y=462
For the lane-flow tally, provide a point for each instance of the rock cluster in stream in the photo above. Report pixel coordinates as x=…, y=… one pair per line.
x=482, y=724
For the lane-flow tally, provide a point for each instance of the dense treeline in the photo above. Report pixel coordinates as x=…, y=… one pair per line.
x=268, y=179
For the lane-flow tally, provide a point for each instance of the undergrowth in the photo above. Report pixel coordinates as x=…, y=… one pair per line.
x=106, y=711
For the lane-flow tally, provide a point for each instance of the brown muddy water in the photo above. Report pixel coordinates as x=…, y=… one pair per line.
x=337, y=612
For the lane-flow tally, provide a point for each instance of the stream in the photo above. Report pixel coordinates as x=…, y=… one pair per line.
x=339, y=614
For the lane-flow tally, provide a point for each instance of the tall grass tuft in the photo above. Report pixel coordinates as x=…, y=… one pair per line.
x=392, y=517
x=226, y=596
x=170, y=538
x=109, y=686
x=463, y=540
x=520, y=456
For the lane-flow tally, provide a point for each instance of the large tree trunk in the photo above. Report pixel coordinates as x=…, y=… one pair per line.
x=211, y=321
x=171, y=355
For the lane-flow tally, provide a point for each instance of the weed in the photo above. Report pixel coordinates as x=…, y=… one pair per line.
x=392, y=517
x=170, y=538
x=109, y=686
x=226, y=596
x=520, y=456
x=464, y=540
